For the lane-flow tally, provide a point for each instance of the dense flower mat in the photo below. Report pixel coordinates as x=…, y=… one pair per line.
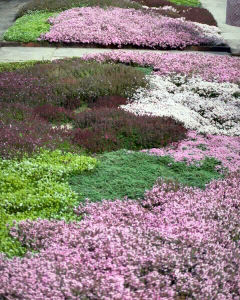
x=164, y=26
x=212, y=68
x=198, y=90
x=182, y=242
x=105, y=27
x=178, y=241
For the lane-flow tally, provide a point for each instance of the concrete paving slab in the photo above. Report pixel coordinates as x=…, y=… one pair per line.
x=76, y=52
x=8, y=10
x=11, y=54
x=231, y=34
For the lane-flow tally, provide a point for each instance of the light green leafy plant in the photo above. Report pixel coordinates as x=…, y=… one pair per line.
x=36, y=187
x=29, y=27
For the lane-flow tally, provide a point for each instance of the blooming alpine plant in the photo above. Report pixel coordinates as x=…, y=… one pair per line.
x=188, y=87
x=179, y=242
x=213, y=68
x=196, y=147
x=208, y=107
x=140, y=28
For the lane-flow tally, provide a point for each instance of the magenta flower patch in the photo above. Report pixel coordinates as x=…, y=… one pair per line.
x=106, y=27
x=219, y=68
x=196, y=147
x=176, y=242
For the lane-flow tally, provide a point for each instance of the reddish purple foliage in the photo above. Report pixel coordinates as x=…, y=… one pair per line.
x=53, y=113
x=28, y=136
x=108, y=101
x=107, y=129
x=10, y=112
x=23, y=131
x=194, y=14
x=26, y=87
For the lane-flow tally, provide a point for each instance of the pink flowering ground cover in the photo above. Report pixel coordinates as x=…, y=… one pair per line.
x=176, y=242
x=106, y=27
x=224, y=148
x=219, y=68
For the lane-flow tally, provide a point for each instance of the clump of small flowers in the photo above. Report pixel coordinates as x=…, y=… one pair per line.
x=196, y=147
x=213, y=68
x=208, y=107
x=140, y=28
x=178, y=241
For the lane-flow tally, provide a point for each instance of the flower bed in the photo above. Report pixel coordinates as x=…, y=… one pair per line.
x=212, y=68
x=199, y=105
x=174, y=243
x=170, y=227
x=223, y=148
x=170, y=9
x=104, y=27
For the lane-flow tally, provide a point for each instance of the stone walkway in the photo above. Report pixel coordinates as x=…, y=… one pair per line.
x=12, y=54
x=8, y=9
x=231, y=34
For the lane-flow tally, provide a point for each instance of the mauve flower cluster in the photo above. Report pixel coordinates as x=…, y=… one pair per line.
x=16, y=85
x=208, y=107
x=106, y=27
x=196, y=147
x=177, y=242
x=217, y=68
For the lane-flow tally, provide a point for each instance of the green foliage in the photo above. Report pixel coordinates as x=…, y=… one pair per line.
x=123, y=173
x=61, y=5
x=36, y=187
x=193, y=3
x=29, y=27
x=145, y=70
x=12, y=66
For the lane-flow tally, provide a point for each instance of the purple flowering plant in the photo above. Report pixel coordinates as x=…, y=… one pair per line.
x=177, y=242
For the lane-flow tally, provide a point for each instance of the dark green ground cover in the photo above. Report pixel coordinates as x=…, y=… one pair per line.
x=123, y=173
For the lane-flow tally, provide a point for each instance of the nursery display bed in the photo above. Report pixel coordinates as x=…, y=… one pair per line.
x=120, y=171
x=164, y=27
x=120, y=177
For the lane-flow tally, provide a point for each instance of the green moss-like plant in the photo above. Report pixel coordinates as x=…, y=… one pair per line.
x=29, y=27
x=126, y=173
